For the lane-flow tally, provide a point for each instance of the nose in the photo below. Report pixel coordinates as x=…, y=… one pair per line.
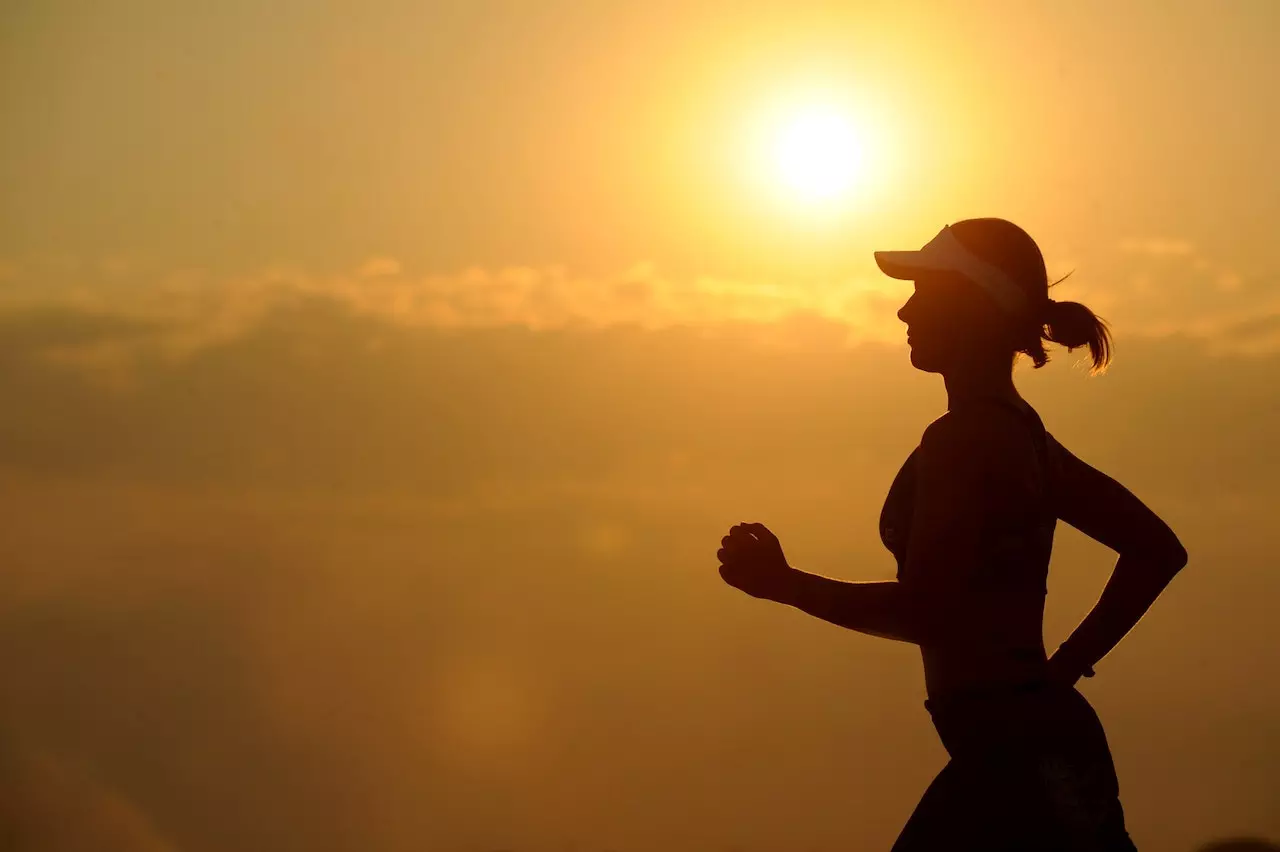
x=904, y=312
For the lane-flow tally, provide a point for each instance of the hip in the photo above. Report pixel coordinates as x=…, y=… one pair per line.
x=1022, y=720
x=1036, y=757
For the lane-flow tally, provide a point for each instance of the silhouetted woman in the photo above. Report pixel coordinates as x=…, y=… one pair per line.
x=970, y=519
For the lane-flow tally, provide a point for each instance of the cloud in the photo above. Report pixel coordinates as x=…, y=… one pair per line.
x=305, y=390
x=1156, y=247
x=1159, y=288
x=1250, y=335
x=376, y=267
x=191, y=309
x=1151, y=288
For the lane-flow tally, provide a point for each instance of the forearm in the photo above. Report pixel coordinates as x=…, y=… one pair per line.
x=1136, y=582
x=875, y=608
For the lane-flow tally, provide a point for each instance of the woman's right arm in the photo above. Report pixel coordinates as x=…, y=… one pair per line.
x=875, y=608
x=751, y=560
x=1149, y=557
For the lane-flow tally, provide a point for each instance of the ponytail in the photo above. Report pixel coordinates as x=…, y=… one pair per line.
x=1072, y=325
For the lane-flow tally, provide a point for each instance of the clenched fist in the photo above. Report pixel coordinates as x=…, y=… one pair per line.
x=751, y=560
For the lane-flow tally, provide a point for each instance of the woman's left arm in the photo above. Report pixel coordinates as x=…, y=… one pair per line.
x=1137, y=580
x=1150, y=555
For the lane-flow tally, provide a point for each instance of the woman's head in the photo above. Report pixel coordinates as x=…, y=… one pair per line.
x=982, y=292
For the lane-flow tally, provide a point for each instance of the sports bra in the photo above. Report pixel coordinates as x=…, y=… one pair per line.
x=1022, y=547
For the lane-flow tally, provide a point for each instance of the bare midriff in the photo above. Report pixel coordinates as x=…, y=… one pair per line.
x=1000, y=645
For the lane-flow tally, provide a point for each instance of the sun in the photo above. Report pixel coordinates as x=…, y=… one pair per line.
x=818, y=155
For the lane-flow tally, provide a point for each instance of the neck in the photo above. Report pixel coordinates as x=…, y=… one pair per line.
x=979, y=381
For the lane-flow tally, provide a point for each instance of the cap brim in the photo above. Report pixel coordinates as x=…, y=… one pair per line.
x=902, y=265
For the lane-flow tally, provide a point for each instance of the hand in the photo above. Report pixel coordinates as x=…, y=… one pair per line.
x=1066, y=672
x=751, y=560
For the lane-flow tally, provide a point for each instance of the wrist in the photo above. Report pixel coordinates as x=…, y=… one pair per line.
x=1070, y=657
x=790, y=589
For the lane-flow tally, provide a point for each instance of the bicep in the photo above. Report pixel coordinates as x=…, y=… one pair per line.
x=1106, y=511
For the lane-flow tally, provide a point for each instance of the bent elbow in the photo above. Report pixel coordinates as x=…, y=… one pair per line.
x=1171, y=552
x=1169, y=555
x=1162, y=554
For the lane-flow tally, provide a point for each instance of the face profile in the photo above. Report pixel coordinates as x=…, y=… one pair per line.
x=949, y=320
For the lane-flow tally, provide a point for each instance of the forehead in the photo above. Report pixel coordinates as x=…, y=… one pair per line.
x=927, y=280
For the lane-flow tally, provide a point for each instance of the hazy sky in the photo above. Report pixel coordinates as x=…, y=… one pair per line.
x=381, y=378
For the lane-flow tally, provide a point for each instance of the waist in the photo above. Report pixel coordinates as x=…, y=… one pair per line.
x=971, y=665
x=1024, y=718
x=969, y=697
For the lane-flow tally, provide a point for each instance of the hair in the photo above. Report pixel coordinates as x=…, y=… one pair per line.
x=1070, y=324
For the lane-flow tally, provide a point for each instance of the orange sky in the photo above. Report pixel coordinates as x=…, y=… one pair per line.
x=383, y=376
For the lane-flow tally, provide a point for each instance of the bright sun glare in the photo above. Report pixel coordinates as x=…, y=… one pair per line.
x=819, y=155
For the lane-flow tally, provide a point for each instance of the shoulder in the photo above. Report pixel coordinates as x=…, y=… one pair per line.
x=994, y=430
x=990, y=442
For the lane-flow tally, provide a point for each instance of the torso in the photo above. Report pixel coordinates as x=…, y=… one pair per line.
x=1004, y=613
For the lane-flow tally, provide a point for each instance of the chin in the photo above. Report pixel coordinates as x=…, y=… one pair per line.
x=923, y=362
